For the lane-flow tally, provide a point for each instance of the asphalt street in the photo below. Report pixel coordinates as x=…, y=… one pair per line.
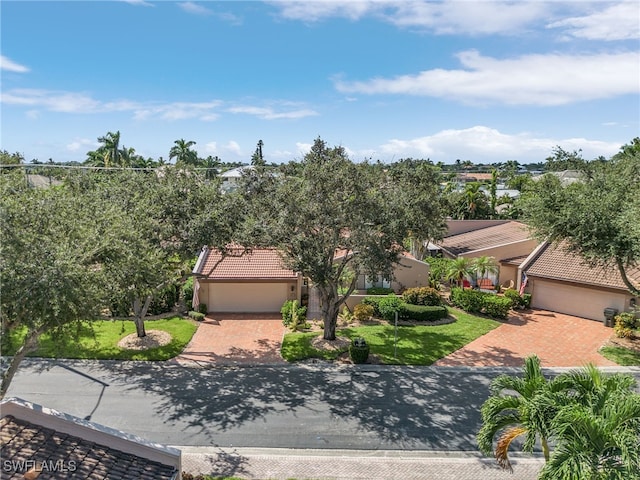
x=302, y=407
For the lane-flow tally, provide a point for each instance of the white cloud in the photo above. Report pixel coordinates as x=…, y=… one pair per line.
x=233, y=147
x=617, y=22
x=483, y=144
x=445, y=17
x=192, y=7
x=80, y=143
x=211, y=147
x=549, y=79
x=141, y=3
x=267, y=113
x=179, y=111
x=303, y=148
x=11, y=66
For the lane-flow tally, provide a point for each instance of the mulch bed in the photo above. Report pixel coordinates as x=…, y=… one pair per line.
x=630, y=343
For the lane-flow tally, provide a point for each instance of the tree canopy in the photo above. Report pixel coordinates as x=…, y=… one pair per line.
x=595, y=218
x=331, y=216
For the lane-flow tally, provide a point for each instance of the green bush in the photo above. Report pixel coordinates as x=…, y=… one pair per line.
x=422, y=296
x=363, y=312
x=495, y=306
x=293, y=314
x=468, y=300
x=359, y=350
x=199, y=316
x=526, y=300
x=423, y=313
x=379, y=291
x=202, y=308
x=625, y=324
x=474, y=301
x=164, y=301
x=388, y=307
x=187, y=290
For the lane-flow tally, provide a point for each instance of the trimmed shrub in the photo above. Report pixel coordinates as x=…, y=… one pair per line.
x=423, y=313
x=468, y=300
x=526, y=300
x=625, y=324
x=202, y=308
x=196, y=315
x=388, y=307
x=422, y=296
x=363, y=312
x=495, y=306
x=379, y=291
x=359, y=350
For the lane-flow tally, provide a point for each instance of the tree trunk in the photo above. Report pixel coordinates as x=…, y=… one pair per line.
x=330, y=310
x=140, y=311
x=30, y=344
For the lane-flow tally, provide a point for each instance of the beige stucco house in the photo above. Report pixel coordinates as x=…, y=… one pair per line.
x=244, y=280
x=561, y=282
x=508, y=241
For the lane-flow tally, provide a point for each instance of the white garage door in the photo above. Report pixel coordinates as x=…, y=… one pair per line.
x=246, y=297
x=574, y=300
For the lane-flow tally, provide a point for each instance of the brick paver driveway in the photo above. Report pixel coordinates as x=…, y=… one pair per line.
x=559, y=340
x=234, y=338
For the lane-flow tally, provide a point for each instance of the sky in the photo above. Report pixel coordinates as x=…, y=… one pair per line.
x=486, y=81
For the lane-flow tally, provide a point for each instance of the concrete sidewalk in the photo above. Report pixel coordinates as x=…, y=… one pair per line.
x=275, y=464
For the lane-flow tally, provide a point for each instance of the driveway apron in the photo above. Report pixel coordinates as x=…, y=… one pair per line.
x=559, y=340
x=234, y=339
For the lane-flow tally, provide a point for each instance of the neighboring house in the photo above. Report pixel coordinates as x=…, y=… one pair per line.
x=409, y=272
x=40, y=442
x=245, y=281
x=507, y=241
x=564, y=283
x=231, y=178
x=40, y=181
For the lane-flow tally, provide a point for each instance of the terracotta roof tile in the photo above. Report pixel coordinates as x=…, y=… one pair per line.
x=515, y=260
x=555, y=263
x=21, y=441
x=487, y=237
x=257, y=264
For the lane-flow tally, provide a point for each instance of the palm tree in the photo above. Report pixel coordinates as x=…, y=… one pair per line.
x=597, y=430
x=484, y=266
x=110, y=149
x=183, y=154
x=511, y=416
x=458, y=269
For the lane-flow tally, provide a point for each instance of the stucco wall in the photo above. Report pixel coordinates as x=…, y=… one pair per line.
x=248, y=296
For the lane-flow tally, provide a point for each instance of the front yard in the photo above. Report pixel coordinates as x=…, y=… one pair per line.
x=416, y=344
x=99, y=340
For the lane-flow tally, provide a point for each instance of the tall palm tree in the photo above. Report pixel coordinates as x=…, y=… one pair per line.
x=183, y=154
x=523, y=414
x=458, y=269
x=110, y=149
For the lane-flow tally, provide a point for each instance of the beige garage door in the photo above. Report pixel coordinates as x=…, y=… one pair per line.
x=246, y=297
x=574, y=300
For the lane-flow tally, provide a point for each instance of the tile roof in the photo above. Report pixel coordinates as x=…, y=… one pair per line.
x=62, y=456
x=515, y=260
x=554, y=262
x=238, y=264
x=487, y=237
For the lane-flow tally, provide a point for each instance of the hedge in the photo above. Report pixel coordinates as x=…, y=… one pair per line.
x=475, y=301
x=422, y=296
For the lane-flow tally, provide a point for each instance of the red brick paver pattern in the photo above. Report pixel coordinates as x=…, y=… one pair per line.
x=559, y=340
x=232, y=338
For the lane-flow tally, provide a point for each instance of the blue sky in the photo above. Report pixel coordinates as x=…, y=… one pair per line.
x=486, y=81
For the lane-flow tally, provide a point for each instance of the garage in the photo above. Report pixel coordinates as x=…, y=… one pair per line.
x=247, y=297
x=241, y=280
x=574, y=300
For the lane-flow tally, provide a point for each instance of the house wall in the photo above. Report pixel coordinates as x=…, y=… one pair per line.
x=249, y=296
x=500, y=252
x=571, y=299
x=408, y=273
x=508, y=273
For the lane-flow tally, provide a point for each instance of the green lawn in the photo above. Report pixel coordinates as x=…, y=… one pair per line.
x=417, y=345
x=622, y=356
x=99, y=339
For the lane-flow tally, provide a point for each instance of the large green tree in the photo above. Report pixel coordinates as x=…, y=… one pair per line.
x=183, y=153
x=52, y=249
x=330, y=216
x=595, y=218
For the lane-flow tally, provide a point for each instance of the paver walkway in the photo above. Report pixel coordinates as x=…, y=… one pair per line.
x=232, y=338
x=559, y=340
